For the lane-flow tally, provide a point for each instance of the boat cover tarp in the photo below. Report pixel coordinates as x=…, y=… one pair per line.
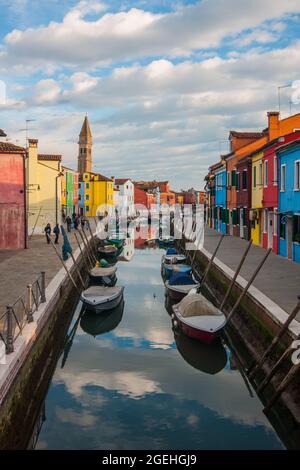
x=171, y=251
x=103, y=271
x=108, y=249
x=195, y=305
x=101, y=291
x=181, y=279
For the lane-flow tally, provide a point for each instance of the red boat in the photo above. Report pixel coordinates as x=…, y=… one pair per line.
x=198, y=318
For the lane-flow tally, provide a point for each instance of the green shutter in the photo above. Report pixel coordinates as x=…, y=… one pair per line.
x=233, y=178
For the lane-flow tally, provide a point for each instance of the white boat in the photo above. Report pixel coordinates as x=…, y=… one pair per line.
x=101, y=298
x=198, y=318
x=105, y=276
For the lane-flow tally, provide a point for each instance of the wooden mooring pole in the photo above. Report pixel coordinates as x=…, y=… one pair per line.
x=239, y=300
x=282, y=386
x=87, y=250
x=65, y=267
x=83, y=257
x=254, y=367
x=235, y=276
x=210, y=262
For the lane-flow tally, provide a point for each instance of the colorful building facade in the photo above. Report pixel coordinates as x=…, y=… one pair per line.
x=43, y=176
x=69, y=198
x=13, y=232
x=98, y=194
x=289, y=200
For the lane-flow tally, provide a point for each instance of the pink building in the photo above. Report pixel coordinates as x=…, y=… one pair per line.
x=12, y=197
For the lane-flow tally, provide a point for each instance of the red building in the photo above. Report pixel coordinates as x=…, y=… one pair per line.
x=143, y=197
x=12, y=197
x=270, y=189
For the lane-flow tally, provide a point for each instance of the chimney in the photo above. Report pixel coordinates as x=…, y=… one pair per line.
x=273, y=124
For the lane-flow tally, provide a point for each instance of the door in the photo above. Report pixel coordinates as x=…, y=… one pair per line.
x=270, y=229
x=289, y=237
x=241, y=223
x=230, y=223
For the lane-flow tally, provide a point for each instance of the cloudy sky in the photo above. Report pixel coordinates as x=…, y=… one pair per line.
x=162, y=81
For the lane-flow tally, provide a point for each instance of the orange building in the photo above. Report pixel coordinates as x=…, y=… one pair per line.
x=244, y=144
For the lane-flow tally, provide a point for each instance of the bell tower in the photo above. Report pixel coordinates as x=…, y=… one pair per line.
x=85, y=148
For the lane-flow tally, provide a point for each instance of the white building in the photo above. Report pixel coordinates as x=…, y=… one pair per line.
x=126, y=196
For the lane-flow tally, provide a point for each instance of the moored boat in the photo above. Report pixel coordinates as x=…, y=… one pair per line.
x=169, y=269
x=101, y=298
x=108, y=251
x=180, y=284
x=103, y=276
x=198, y=318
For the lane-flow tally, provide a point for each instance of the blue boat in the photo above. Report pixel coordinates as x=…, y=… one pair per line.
x=180, y=284
x=169, y=269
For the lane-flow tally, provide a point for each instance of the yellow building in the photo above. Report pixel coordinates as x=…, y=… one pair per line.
x=256, y=214
x=98, y=191
x=43, y=176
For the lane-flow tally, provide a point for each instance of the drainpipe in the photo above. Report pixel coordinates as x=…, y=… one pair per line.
x=56, y=198
x=25, y=204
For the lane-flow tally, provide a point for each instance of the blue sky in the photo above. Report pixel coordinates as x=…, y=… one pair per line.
x=162, y=82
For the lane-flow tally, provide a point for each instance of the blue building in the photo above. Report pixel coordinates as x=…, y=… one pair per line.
x=81, y=197
x=289, y=200
x=220, y=197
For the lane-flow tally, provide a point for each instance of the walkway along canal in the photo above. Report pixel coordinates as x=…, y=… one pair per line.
x=126, y=380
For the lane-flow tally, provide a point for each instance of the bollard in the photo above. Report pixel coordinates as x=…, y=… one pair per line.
x=29, y=304
x=9, y=333
x=43, y=287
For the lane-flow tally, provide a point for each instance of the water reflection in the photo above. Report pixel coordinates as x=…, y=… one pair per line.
x=209, y=359
x=99, y=324
x=129, y=384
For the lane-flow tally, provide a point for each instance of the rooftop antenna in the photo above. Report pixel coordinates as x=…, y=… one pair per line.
x=279, y=94
x=26, y=129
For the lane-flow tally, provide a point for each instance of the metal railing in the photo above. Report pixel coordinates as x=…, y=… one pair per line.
x=18, y=314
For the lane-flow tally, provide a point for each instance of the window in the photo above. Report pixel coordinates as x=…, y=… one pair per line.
x=87, y=197
x=265, y=173
x=296, y=228
x=228, y=179
x=282, y=177
x=260, y=174
x=244, y=179
x=254, y=177
x=79, y=197
x=87, y=185
x=297, y=176
x=237, y=181
x=265, y=220
x=275, y=172
x=87, y=208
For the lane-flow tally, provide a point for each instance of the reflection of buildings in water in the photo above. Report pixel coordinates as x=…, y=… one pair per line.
x=232, y=363
x=145, y=236
x=128, y=248
x=96, y=325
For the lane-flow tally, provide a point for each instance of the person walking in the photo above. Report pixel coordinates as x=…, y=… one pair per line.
x=47, y=231
x=56, y=231
x=76, y=223
x=69, y=223
x=82, y=222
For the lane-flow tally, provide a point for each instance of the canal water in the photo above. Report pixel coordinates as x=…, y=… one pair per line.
x=125, y=381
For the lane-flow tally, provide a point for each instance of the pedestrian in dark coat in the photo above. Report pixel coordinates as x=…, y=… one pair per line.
x=76, y=223
x=56, y=231
x=47, y=231
x=69, y=223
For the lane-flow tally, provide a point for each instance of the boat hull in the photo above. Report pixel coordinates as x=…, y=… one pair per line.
x=192, y=332
x=102, y=307
x=103, y=280
x=175, y=295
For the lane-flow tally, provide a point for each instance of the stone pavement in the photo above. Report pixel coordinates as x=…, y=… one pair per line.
x=279, y=278
x=21, y=267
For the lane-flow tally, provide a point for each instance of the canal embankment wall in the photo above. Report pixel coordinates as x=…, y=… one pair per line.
x=258, y=320
x=25, y=373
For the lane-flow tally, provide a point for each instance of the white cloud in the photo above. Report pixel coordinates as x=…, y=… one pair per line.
x=137, y=33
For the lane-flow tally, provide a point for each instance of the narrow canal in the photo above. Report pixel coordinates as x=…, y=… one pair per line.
x=126, y=382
